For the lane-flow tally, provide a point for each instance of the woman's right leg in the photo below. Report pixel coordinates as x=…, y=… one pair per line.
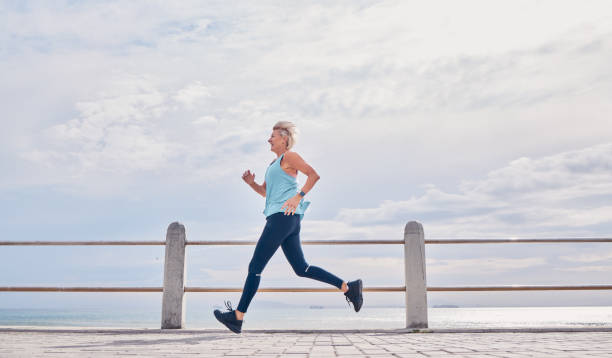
x=276, y=230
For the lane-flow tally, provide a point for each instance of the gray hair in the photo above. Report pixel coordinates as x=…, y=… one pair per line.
x=287, y=130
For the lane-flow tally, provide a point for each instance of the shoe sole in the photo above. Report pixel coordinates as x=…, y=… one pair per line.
x=360, y=285
x=231, y=328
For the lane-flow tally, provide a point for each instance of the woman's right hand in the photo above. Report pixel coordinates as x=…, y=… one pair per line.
x=248, y=177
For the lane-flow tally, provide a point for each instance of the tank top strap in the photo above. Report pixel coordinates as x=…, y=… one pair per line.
x=280, y=159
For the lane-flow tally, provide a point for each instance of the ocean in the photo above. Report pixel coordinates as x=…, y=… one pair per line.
x=321, y=318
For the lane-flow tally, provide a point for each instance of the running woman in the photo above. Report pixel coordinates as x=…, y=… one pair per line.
x=284, y=210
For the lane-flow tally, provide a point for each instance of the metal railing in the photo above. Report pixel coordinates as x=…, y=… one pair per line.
x=174, y=289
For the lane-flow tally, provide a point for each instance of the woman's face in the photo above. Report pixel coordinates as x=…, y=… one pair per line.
x=277, y=142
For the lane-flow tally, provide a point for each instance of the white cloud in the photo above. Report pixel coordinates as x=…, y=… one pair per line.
x=340, y=229
x=216, y=276
x=593, y=268
x=336, y=69
x=488, y=265
x=206, y=121
x=557, y=193
x=588, y=258
x=376, y=266
x=192, y=93
x=138, y=126
x=120, y=132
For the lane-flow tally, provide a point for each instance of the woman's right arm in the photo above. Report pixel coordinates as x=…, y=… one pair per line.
x=249, y=178
x=260, y=189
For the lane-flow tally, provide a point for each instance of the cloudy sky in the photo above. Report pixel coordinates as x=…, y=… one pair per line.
x=476, y=118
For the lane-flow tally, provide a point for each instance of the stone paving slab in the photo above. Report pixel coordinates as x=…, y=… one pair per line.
x=38, y=342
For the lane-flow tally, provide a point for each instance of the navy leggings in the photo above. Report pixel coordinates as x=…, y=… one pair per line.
x=281, y=230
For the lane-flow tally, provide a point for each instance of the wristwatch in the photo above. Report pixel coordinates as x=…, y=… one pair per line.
x=302, y=193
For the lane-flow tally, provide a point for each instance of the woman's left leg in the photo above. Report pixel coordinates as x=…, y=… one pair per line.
x=293, y=251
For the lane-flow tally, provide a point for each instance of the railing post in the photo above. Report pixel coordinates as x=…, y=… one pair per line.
x=414, y=268
x=173, y=300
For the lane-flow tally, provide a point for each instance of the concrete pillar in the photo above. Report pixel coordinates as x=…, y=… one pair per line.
x=414, y=268
x=173, y=301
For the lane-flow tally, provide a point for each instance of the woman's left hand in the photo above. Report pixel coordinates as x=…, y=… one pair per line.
x=290, y=206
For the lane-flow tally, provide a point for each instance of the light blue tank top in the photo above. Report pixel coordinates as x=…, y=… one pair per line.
x=281, y=187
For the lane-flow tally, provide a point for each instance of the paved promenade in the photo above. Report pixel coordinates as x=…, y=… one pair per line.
x=36, y=342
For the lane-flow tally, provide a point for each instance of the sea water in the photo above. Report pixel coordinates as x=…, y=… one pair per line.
x=322, y=318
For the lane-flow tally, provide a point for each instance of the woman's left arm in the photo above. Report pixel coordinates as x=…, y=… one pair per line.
x=295, y=161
